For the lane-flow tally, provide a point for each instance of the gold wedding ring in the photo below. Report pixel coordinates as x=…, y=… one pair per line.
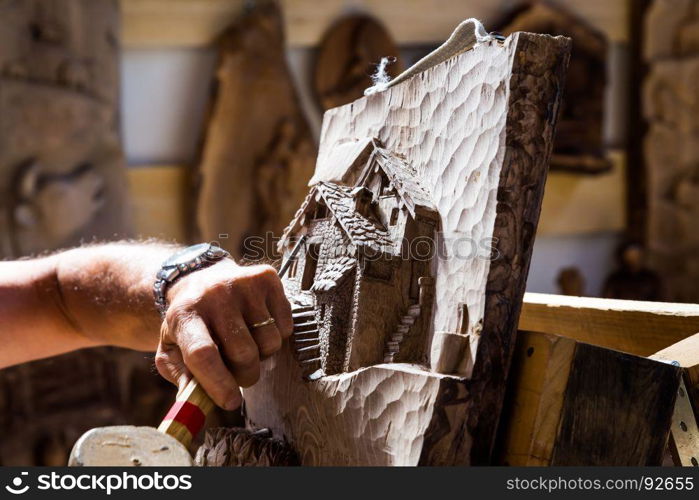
x=266, y=322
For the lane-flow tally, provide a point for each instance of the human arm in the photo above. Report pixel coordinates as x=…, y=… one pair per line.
x=102, y=295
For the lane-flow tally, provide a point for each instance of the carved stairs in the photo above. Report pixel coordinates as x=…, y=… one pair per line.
x=306, y=342
x=401, y=331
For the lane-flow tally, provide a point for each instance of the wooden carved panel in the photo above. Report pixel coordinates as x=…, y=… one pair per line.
x=476, y=130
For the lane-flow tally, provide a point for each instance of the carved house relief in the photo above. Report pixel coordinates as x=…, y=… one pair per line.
x=361, y=284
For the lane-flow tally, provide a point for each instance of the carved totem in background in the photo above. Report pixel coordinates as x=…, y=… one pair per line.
x=61, y=173
x=671, y=145
x=258, y=153
x=579, y=139
x=409, y=258
x=62, y=180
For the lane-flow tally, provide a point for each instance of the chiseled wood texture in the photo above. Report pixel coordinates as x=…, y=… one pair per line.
x=239, y=447
x=617, y=409
x=571, y=403
x=478, y=129
x=381, y=415
x=640, y=328
x=258, y=152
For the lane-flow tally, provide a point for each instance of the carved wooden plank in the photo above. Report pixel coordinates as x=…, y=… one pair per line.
x=258, y=152
x=476, y=129
x=575, y=404
x=641, y=328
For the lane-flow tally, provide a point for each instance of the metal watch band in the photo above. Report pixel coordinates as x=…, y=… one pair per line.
x=206, y=255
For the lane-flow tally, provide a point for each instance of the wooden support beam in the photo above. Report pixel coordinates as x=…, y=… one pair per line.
x=640, y=328
x=197, y=23
x=571, y=403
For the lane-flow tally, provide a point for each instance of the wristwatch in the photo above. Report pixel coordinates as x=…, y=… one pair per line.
x=182, y=263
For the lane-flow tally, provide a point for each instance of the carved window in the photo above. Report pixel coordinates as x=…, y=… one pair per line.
x=379, y=269
x=309, y=270
x=394, y=216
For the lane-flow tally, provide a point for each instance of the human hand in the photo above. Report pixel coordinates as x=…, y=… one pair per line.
x=207, y=329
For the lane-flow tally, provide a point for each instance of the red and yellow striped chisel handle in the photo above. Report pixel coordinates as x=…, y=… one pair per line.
x=187, y=416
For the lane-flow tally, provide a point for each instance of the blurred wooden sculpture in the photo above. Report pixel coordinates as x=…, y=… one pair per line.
x=256, y=136
x=61, y=172
x=456, y=158
x=348, y=56
x=579, y=143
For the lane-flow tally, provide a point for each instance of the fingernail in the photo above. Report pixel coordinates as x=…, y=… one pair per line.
x=234, y=401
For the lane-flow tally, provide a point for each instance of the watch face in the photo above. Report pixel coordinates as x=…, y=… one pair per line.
x=187, y=255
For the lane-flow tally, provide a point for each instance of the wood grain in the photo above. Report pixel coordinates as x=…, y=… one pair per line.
x=641, y=328
x=538, y=382
x=571, y=403
x=617, y=411
x=379, y=415
x=478, y=129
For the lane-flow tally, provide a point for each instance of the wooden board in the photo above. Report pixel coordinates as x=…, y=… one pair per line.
x=632, y=400
x=258, y=152
x=195, y=23
x=571, y=403
x=641, y=328
x=477, y=129
x=538, y=381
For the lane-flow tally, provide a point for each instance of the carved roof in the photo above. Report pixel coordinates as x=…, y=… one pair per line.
x=334, y=272
x=353, y=163
x=363, y=230
x=405, y=179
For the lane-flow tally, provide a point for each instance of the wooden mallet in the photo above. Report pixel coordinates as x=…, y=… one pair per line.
x=129, y=445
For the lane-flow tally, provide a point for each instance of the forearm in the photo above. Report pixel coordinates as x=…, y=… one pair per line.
x=98, y=295
x=107, y=291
